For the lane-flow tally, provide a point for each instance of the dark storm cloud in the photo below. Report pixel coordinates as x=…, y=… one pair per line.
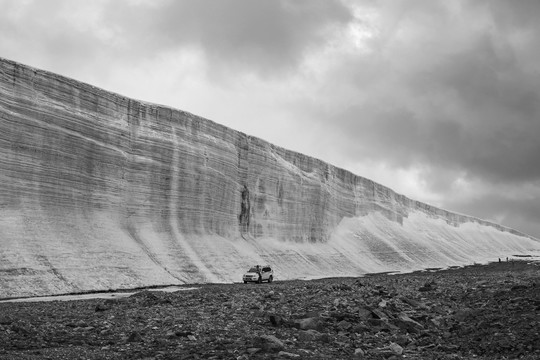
x=265, y=36
x=512, y=15
x=470, y=104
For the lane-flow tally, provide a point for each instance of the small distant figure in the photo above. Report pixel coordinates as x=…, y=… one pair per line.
x=507, y=259
x=499, y=260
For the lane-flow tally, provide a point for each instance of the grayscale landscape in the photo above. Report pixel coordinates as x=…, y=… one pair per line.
x=104, y=192
x=246, y=179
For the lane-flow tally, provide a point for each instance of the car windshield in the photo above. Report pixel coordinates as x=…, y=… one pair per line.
x=253, y=269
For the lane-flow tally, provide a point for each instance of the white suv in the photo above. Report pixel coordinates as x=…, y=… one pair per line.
x=259, y=274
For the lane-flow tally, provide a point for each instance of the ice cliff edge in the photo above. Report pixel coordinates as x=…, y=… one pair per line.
x=100, y=191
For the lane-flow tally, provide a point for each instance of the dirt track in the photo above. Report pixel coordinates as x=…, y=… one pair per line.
x=480, y=312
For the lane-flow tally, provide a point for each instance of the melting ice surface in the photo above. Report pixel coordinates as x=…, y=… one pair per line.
x=101, y=192
x=372, y=244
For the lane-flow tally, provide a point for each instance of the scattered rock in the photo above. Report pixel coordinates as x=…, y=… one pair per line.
x=312, y=335
x=473, y=314
x=312, y=323
x=395, y=348
x=134, y=337
x=277, y=320
x=288, y=355
x=183, y=333
x=413, y=303
x=269, y=343
x=463, y=314
x=378, y=314
x=518, y=287
x=344, y=325
x=307, y=335
x=102, y=307
x=406, y=323
x=5, y=320
x=364, y=313
x=427, y=287
x=359, y=353
x=253, y=351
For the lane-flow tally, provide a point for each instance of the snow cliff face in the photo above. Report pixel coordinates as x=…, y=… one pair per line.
x=99, y=191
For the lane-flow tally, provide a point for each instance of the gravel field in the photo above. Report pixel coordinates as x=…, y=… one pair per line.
x=477, y=312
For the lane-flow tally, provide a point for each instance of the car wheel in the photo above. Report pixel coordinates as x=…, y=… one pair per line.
x=245, y=282
x=270, y=279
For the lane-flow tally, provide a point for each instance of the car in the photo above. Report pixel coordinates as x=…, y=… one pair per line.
x=259, y=274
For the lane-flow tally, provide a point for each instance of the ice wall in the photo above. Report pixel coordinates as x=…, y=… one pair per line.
x=100, y=191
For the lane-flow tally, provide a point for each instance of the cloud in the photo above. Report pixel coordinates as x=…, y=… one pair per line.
x=267, y=37
x=66, y=37
x=435, y=97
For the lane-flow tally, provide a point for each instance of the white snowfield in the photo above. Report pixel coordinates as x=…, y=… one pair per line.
x=100, y=192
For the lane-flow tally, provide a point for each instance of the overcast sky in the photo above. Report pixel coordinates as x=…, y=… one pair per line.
x=439, y=100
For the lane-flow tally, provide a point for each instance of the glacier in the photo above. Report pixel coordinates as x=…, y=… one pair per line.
x=99, y=191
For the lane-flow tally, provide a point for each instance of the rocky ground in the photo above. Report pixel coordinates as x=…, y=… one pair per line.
x=477, y=312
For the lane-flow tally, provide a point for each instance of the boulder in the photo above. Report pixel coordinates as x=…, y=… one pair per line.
x=288, y=355
x=313, y=323
x=404, y=322
x=269, y=343
x=358, y=353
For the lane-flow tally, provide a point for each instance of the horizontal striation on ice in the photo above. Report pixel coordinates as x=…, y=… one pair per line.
x=99, y=191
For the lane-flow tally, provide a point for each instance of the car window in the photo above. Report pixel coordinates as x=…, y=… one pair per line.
x=266, y=269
